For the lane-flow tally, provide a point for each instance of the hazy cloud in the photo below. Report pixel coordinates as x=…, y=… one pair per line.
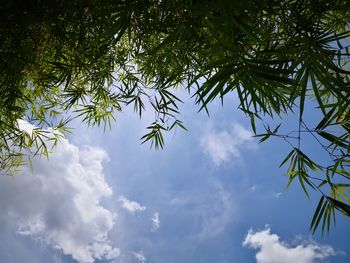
x=253, y=188
x=131, y=206
x=59, y=203
x=155, y=222
x=277, y=195
x=139, y=256
x=210, y=211
x=272, y=250
x=218, y=213
x=222, y=146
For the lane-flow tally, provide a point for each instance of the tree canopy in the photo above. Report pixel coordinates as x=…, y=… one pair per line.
x=65, y=59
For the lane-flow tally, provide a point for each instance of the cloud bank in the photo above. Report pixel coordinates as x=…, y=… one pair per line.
x=272, y=250
x=59, y=203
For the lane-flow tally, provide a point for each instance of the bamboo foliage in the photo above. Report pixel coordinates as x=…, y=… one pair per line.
x=90, y=59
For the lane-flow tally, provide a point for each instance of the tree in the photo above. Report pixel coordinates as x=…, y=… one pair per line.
x=86, y=58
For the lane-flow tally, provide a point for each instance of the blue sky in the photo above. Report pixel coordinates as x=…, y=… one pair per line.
x=213, y=194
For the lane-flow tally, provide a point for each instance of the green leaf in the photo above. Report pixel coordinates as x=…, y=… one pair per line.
x=325, y=121
x=344, y=208
x=333, y=139
x=290, y=154
x=316, y=214
x=319, y=213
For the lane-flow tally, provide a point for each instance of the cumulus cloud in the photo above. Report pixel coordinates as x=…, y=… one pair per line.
x=224, y=145
x=272, y=250
x=155, y=222
x=59, y=203
x=139, y=256
x=131, y=206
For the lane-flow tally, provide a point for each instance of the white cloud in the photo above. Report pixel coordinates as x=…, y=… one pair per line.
x=25, y=126
x=131, y=206
x=139, y=256
x=59, y=203
x=224, y=145
x=155, y=222
x=272, y=250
